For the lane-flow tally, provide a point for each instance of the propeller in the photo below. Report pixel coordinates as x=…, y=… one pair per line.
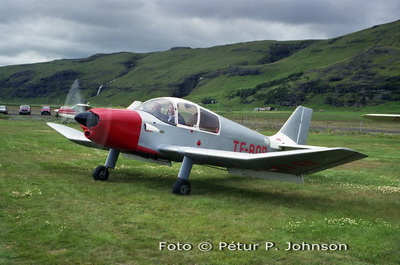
x=73, y=103
x=82, y=114
x=74, y=95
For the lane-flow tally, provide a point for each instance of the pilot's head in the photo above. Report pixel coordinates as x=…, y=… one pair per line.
x=171, y=109
x=156, y=107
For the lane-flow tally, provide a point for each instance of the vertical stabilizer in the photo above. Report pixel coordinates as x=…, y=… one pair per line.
x=297, y=126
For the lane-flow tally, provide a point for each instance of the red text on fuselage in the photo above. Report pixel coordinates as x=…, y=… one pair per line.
x=244, y=147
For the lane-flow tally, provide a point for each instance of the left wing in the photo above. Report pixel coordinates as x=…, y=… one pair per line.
x=295, y=162
x=74, y=135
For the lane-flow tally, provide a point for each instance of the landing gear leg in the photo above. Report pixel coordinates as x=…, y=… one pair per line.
x=182, y=186
x=102, y=172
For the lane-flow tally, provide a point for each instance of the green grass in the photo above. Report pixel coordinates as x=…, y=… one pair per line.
x=52, y=212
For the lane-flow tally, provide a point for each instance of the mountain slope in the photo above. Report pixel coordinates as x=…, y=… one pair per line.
x=352, y=70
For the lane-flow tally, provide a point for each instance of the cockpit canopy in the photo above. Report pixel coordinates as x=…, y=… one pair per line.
x=182, y=113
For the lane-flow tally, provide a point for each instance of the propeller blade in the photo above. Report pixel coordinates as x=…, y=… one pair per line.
x=74, y=95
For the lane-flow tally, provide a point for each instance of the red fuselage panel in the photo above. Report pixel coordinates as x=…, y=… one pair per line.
x=117, y=128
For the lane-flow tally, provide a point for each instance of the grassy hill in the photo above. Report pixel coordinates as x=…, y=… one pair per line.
x=356, y=70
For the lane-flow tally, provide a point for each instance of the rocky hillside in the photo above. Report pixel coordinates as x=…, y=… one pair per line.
x=353, y=70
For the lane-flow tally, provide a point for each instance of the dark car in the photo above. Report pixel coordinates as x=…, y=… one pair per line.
x=46, y=110
x=3, y=109
x=25, y=109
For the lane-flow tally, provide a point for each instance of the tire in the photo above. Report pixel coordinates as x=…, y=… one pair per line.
x=101, y=173
x=181, y=187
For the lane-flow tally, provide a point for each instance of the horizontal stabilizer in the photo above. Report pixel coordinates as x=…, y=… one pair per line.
x=286, y=147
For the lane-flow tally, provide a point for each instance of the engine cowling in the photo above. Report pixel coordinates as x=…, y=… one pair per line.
x=112, y=128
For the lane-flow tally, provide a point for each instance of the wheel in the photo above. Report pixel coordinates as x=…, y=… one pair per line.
x=101, y=173
x=181, y=187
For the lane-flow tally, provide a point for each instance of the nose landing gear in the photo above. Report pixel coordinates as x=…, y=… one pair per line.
x=103, y=172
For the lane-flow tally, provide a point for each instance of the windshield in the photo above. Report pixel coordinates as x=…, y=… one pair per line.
x=160, y=108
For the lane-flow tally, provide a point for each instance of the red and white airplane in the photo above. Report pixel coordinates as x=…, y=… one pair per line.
x=167, y=129
x=73, y=103
x=70, y=112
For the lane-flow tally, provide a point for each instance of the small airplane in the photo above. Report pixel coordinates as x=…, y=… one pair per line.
x=70, y=112
x=74, y=103
x=167, y=129
x=382, y=117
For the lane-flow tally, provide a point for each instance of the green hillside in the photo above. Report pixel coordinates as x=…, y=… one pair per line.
x=355, y=70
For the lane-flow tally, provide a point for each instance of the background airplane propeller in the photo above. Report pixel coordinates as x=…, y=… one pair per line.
x=74, y=95
x=83, y=116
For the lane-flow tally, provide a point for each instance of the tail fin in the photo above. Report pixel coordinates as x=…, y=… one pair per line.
x=297, y=126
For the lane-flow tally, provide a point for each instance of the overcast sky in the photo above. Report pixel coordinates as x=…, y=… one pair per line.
x=44, y=30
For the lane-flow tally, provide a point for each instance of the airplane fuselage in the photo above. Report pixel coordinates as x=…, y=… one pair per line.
x=135, y=131
x=231, y=136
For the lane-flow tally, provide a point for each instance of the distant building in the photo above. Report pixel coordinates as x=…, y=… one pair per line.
x=265, y=109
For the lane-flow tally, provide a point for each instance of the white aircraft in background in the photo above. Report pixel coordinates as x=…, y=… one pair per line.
x=382, y=117
x=70, y=112
x=74, y=104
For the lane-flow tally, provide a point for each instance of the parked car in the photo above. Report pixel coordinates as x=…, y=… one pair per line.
x=25, y=109
x=3, y=109
x=46, y=110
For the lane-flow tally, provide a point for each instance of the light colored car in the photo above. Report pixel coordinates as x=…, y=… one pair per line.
x=25, y=109
x=3, y=109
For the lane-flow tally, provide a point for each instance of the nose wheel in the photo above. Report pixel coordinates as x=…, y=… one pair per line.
x=101, y=173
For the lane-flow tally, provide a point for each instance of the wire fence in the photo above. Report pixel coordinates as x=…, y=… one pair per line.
x=270, y=123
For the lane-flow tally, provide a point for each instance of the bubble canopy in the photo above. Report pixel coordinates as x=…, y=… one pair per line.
x=182, y=113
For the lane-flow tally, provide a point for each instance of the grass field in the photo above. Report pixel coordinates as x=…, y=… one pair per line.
x=52, y=212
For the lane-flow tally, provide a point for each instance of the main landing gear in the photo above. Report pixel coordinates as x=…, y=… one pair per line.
x=182, y=186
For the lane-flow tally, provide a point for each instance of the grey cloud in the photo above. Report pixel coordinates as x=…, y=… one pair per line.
x=37, y=30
